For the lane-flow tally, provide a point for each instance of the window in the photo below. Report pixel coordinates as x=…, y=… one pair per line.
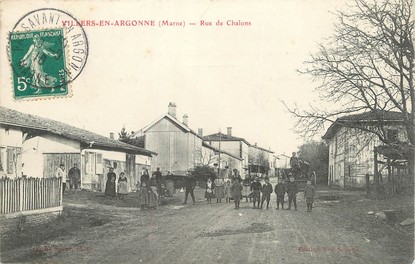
x=90, y=160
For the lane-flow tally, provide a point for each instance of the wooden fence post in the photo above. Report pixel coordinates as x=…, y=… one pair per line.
x=21, y=195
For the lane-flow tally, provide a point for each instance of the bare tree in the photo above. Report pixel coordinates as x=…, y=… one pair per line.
x=204, y=157
x=367, y=65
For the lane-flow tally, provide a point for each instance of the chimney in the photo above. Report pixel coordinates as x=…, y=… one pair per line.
x=200, y=132
x=229, y=131
x=111, y=135
x=185, y=119
x=172, y=109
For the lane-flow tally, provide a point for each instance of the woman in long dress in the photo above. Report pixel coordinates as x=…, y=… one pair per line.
x=153, y=201
x=228, y=192
x=110, y=185
x=122, y=186
x=219, y=189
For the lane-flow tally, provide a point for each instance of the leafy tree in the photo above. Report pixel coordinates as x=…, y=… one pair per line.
x=129, y=138
x=202, y=173
x=317, y=155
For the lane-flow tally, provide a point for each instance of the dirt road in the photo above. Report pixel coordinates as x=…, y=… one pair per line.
x=93, y=232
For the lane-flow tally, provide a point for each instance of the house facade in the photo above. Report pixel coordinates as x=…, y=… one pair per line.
x=260, y=161
x=352, y=144
x=32, y=146
x=221, y=160
x=177, y=145
x=236, y=146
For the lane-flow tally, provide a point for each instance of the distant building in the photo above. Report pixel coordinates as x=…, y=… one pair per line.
x=236, y=146
x=351, y=149
x=260, y=161
x=177, y=145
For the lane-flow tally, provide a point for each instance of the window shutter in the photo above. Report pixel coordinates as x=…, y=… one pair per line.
x=10, y=154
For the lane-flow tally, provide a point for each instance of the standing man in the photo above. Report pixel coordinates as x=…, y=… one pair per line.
x=74, y=175
x=256, y=191
x=292, y=191
x=159, y=177
x=295, y=164
x=190, y=186
x=280, y=192
x=60, y=173
x=266, y=192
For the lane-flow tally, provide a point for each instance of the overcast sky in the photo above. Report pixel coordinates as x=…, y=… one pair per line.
x=218, y=76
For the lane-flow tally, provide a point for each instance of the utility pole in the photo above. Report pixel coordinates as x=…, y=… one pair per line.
x=220, y=139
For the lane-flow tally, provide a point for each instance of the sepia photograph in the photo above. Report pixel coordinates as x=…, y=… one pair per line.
x=207, y=131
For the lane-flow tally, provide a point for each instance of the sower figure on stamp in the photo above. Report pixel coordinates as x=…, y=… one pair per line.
x=280, y=190
x=292, y=191
x=74, y=175
x=190, y=186
x=34, y=59
x=266, y=192
x=256, y=191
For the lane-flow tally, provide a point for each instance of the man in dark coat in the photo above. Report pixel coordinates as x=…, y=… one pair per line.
x=74, y=175
x=295, y=165
x=266, y=192
x=190, y=185
x=292, y=191
x=159, y=177
x=256, y=191
x=280, y=190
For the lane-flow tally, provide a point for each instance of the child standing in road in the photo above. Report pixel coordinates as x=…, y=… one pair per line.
x=280, y=192
x=236, y=190
x=309, y=196
x=256, y=191
x=292, y=191
x=228, y=192
x=143, y=193
x=266, y=192
x=209, y=191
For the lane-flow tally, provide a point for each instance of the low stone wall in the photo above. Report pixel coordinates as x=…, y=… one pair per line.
x=27, y=221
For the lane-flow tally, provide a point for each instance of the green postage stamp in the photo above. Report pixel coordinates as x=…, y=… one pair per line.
x=38, y=62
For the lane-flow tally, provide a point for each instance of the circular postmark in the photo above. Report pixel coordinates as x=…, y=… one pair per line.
x=48, y=49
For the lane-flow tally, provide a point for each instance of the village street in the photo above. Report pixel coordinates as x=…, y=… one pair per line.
x=94, y=232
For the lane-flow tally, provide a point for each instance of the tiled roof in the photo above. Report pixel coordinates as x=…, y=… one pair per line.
x=223, y=137
x=174, y=120
x=21, y=120
x=257, y=147
x=204, y=144
x=377, y=116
